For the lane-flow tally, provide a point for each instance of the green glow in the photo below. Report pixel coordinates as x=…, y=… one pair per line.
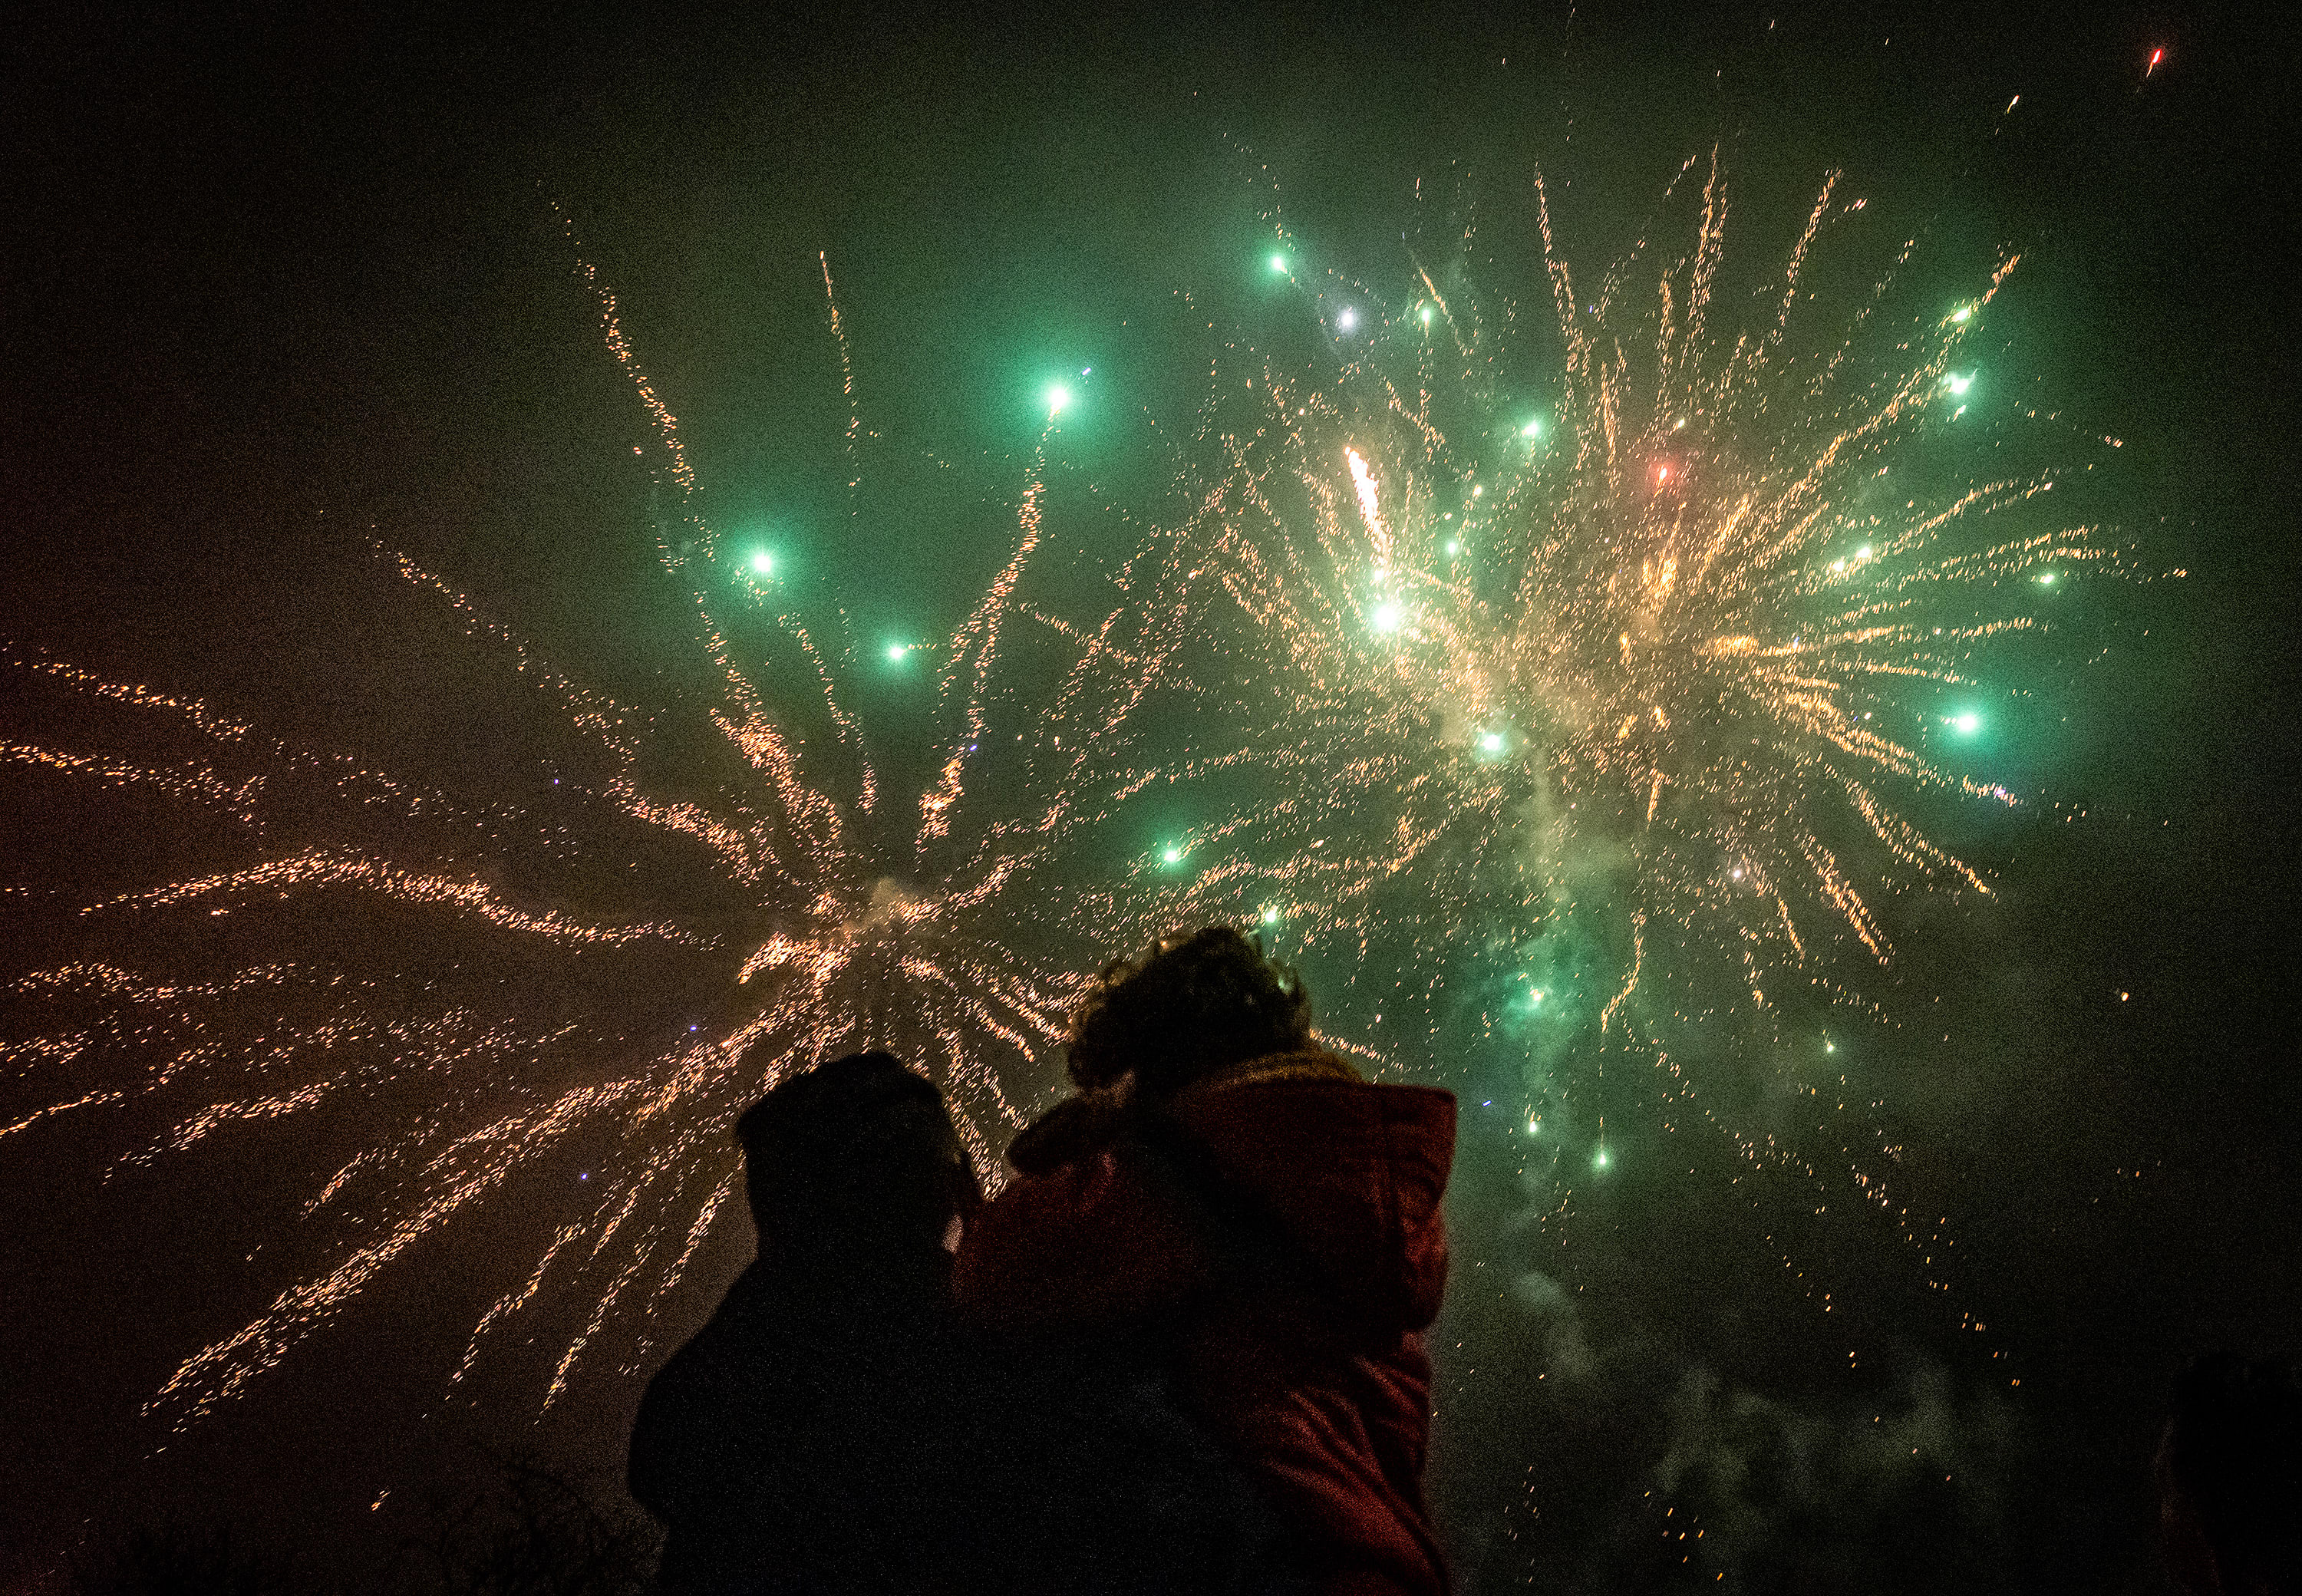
x=1278, y=264
x=1962, y=313
x=1957, y=384
x=764, y=562
x=1270, y=917
x=897, y=651
x=1453, y=547
x=1385, y=617
x=1173, y=856
x=1863, y=552
x=1599, y=1159
x=1479, y=492
x=1534, y=1127
x=2045, y=579
x=1534, y=429
x=1058, y=396
x=1426, y=315
x=1965, y=723
x=1491, y=743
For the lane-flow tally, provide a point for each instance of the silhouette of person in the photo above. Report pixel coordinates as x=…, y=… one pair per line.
x=833, y=1430
x=805, y=1440
x=2230, y=1480
x=1241, y=1199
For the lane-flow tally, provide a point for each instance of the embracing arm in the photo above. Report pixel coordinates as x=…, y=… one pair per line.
x=1081, y=1245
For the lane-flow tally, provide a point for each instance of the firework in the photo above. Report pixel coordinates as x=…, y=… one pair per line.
x=401, y=972
x=1614, y=683
x=1597, y=695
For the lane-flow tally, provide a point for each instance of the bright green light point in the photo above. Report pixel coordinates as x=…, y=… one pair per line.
x=1278, y=264
x=1385, y=617
x=1058, y=396
x=1534, y=1127
x=1270, y=917
x=1491, y=743
x=2046, y=579
x=1534, y=998
x=897, y=651
x=1532, y=429
x=1962, y=313
x=1453, y=547
x=764, y=562
x=1957, y=384
x=1426, y=315
x=1965, y=723
x=1599, y=1160
x=1173, y=856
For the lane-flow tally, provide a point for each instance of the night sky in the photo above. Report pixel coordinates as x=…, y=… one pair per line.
x=284, y=287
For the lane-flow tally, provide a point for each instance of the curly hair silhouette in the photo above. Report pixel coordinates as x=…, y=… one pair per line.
x=1190, y=1005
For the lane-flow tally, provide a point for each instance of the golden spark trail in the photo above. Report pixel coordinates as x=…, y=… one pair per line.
x=556, y=1007
x=1613, y=685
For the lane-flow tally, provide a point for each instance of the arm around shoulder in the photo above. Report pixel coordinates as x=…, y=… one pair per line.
x=1081, y=1245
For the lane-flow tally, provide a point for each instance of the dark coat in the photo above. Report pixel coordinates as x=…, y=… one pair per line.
x=1293, y=1273
x=807, y=1438
x=833, y=1431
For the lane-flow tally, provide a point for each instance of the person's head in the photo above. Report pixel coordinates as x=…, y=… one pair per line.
x=2230, y=1480
x=1189, y=1007
x=856, y=1154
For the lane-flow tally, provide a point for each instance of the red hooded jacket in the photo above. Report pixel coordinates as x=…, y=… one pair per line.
x=1313, y=1376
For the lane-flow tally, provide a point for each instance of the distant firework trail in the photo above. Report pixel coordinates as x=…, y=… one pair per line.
x=829, y=914
x=1604, y=692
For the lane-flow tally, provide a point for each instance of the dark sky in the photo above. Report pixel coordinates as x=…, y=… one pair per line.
x=280, y=281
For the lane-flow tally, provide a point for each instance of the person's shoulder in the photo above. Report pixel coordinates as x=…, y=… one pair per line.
x=1072, y=1129
x=755, y=1309
x=1301, y=1064
x=1316, y=1080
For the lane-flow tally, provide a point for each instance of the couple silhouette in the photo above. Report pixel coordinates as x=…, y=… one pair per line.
x=1181, y=1351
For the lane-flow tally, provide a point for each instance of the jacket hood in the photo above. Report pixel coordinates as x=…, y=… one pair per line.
x=1352, y=1171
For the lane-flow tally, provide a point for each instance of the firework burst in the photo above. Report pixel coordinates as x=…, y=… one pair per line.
x=383, y=955
x=1612, y=694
